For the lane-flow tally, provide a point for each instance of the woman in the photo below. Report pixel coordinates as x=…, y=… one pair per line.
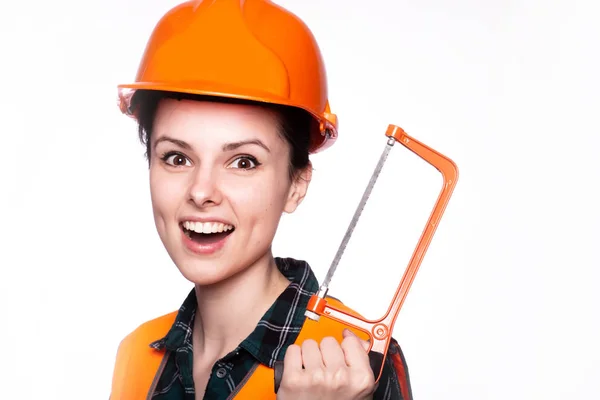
x=231, y=98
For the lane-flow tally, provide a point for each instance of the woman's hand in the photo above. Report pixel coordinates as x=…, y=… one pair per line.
x=331, y=370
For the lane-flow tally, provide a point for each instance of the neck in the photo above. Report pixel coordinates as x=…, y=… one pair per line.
x=229, y=311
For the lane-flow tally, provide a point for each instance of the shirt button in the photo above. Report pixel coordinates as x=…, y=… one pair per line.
x=221, y=372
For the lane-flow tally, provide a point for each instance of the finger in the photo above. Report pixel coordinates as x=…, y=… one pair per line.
x=311, y=355
x=292, y=361
x=292, y=376
x=347, y=333
x=332, y=353
x=354, y=351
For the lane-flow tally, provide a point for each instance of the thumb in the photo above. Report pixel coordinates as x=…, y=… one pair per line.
x=347, y=333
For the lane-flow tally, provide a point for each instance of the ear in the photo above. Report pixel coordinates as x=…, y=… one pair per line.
x=298, y=189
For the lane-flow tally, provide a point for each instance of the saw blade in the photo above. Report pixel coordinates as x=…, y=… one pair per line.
x=356, y=217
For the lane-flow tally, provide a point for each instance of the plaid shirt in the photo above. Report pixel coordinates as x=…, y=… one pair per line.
x=277, y=329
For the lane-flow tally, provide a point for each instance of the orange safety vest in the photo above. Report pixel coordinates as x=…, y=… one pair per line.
x=138, y=366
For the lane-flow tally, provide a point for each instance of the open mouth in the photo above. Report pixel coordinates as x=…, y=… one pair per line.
x=206, y=232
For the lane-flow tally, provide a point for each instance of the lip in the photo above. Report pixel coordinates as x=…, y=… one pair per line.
x=203, y=249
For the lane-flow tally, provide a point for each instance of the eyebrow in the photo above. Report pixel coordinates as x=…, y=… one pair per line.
x=226, y=147
x=235, y=145
x=178, y=142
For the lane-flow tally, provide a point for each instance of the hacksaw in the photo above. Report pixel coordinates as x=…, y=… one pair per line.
x=380, y=330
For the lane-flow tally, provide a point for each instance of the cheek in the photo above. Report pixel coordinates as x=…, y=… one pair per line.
x=166, y=192
x=262, y=201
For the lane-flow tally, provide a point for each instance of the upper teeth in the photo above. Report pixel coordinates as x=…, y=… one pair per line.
x=207, y=227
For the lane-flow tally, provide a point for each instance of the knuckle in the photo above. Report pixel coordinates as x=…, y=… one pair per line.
x=364, y=383
x=292, y=382
x=340, y=380
x=317, y=378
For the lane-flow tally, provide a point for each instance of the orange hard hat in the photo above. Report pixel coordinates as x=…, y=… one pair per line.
x=245, y=49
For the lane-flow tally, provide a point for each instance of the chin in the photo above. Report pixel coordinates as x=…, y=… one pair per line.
x=207, y=272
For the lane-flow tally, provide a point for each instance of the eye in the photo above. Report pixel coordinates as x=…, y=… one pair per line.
x=176, y=159
x=245, y=162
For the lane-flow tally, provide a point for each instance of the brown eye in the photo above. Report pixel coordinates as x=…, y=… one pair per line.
x=245, y=163
x=176, y=159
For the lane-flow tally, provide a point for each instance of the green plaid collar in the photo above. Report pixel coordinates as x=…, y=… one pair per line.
x=277, y=329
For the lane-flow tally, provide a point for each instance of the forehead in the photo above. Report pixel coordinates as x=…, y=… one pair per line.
x=214, y=122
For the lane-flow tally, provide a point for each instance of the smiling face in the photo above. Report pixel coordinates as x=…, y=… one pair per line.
x=219, y=168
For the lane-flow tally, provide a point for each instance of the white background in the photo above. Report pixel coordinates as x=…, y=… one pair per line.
x=505, y=305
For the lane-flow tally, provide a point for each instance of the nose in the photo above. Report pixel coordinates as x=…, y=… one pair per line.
x=204, y=188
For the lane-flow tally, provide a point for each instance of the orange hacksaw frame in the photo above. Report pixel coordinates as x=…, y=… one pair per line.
x=380, y=330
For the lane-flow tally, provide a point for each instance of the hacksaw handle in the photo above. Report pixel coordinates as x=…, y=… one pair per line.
x=375, y=359
x=379, y=336
x=379, y=331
